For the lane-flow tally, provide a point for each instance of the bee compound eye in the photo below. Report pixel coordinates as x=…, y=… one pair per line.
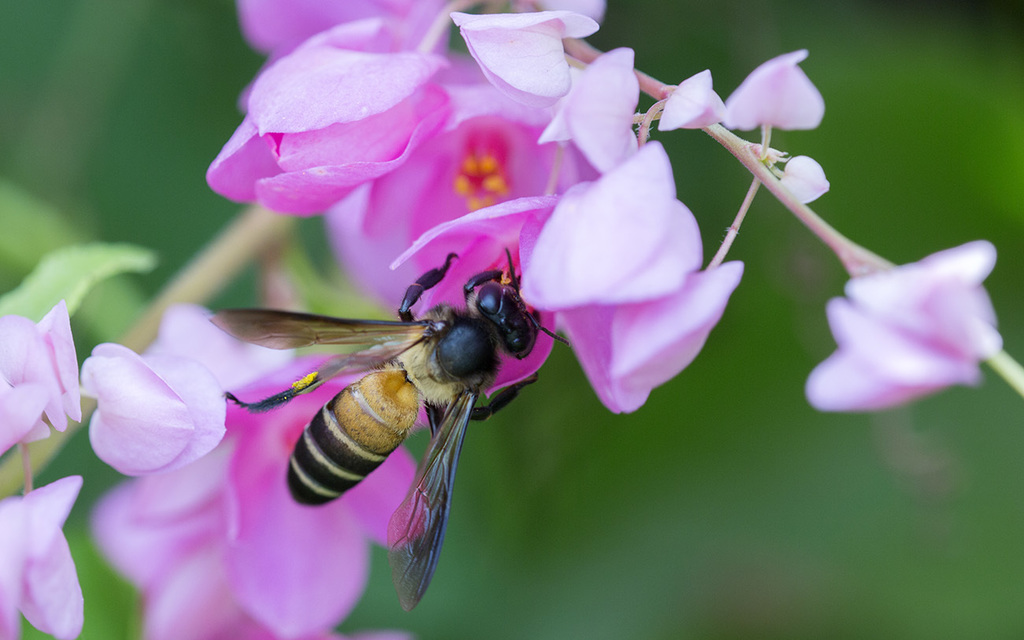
x=488, y=299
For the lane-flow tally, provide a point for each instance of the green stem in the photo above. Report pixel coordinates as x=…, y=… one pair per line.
x=1010, y=370
x=248, y=236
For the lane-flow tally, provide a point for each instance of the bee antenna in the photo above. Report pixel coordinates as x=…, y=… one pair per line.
x=512, y=270
x=554, y=335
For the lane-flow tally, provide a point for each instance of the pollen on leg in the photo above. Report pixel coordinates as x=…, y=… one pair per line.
x=304, y=382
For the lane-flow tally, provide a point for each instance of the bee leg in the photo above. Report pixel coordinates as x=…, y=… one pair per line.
x=428, y=280
x=435, y=416
x=501, y=399
x=493, y=275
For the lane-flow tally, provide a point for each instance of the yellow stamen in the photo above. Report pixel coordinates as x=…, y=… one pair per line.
x=481, y=180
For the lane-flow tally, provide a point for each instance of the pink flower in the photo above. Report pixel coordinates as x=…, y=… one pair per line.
x=20, y=410
x=692, y=105
x=805, y=178
x=521, y=53
x=155, y=414
x=327, y=117
x=627, y=350
x=908, y=332
x=597, y=115
x=487, y=154
x=279, y=25
x=165, y=409
x=618, y=262
x=623, y=238
x=777, y=93
x=37, y=573
x=38, y=376
x=220, y=549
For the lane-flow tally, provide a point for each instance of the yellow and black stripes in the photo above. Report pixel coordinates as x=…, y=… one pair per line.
x=351, y=436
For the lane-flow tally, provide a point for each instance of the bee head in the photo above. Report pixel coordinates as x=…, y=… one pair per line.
x=501, y=304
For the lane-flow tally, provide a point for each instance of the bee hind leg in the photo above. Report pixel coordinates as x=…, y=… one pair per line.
x=501, y=399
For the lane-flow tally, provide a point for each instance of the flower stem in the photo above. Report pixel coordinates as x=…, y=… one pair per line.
x=734, y=228
x=583, y=51
x=439, y=27
x=857, y=260
x=248, y=236
x=26, y=465
x=1010, y=370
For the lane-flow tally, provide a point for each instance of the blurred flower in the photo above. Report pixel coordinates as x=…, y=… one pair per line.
x=279, y=25
x=37, y=573
x=777, y=93
x=165, y=409
x=692, y=105
x=597, y=114
x=908, y=332
x=521, y=53
x=805, y=178
x=38, y=376
x=154, y=414
x=329, y=116
x=220, y=549
x=590, y=8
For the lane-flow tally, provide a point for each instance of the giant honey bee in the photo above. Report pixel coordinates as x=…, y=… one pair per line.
x=443, y=360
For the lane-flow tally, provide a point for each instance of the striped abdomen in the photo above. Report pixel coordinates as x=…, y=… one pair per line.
x=351, y=435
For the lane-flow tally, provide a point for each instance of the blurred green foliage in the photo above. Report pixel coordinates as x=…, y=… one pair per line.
x=724, y=508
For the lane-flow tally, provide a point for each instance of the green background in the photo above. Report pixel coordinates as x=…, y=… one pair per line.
x=726, y=507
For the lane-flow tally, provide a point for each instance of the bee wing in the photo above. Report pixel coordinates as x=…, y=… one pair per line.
x=285, y=330
x=290, y=330
x=416, y=530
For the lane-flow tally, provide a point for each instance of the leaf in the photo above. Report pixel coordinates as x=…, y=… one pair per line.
x=31, y=228
x=69, y=274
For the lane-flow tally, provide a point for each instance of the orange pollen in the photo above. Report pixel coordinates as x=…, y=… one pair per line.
x=481, y=181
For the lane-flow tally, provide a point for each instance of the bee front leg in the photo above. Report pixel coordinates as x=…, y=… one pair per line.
x=501, y=399
x=428, y=280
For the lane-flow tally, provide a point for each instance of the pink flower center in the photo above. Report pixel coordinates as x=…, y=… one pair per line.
x=481, y=180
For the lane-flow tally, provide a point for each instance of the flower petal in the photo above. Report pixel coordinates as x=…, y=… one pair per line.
x=777, y=93
x=692, y=105
x=148, y=421
x=656, y=340
x=599, y=110
x=521, y=53
x=52, y=599
x=805, y=178
x=623, y=238
x=269, y=565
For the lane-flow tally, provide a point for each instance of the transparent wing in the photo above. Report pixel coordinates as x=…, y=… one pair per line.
x=290, y=330
x=285, y=330
x=416, y=530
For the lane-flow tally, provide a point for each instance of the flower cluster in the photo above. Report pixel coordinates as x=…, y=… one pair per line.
x=415, y=153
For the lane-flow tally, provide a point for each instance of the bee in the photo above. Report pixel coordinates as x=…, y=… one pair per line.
x=442, y=361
